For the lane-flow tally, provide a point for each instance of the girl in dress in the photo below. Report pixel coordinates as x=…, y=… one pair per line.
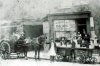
x=52, y=51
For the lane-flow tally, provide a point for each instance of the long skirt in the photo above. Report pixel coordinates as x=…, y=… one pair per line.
x=52, y=51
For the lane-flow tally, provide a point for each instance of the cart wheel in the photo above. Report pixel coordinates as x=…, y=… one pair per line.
x=5, y=48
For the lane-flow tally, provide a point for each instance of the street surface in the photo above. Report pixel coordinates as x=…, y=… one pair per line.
x=43, y=62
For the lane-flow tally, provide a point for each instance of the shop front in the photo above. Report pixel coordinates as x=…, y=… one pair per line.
x=67, y=25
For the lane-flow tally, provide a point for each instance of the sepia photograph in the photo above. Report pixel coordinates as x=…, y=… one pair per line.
x=49, y=32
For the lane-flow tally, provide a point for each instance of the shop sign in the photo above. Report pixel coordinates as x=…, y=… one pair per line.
x=64, y=25
x=45, y=27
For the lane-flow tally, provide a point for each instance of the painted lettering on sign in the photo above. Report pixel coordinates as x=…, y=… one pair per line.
x=64, y=25
x=45, y=27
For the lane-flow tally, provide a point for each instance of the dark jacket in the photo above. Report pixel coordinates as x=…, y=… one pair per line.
x=36, y=44
x=73, y=44
x=79, y=41
x=86, y=38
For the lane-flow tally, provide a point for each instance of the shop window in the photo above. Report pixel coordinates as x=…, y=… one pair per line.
x=64, y=28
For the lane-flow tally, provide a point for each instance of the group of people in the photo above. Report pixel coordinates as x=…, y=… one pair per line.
x=22, y=45
x=82, y=40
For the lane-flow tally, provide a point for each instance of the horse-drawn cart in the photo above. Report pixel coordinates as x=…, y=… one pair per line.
x=10, y=47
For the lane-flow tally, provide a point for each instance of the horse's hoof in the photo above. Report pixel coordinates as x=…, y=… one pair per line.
x=26, y=58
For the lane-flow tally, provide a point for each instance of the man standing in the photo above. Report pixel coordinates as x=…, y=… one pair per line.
x=73, y=55
x=40, y=41
x=37, y=48
x=79, y=41
x=86, y=41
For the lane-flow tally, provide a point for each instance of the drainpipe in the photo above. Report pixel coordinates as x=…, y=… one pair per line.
x=93, y=35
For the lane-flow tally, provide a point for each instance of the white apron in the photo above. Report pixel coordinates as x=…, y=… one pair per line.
x=52, y=51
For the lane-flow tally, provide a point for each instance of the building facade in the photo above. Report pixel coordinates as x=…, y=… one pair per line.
x=69, y=24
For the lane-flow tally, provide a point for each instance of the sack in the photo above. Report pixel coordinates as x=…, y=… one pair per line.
x=91, y=46
x=69, y=46
x=77, y=46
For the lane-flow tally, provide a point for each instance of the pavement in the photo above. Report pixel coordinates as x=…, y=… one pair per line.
x=32, y=62
x=31, y=55
x=43, y=62
x=43, y=55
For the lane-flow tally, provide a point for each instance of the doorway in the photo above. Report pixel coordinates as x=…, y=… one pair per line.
x=82, y=26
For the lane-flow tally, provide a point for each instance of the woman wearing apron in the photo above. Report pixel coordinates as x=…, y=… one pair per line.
x=52, y=51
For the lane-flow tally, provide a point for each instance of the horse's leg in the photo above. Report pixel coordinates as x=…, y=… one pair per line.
x=18, y=55
x=26, y=53
x=3, y=54
x=23, y=52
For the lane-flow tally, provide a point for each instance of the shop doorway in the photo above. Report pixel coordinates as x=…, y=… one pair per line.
x=82, y=26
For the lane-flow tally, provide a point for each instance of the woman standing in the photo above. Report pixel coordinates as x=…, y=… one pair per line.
x=52, y=51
